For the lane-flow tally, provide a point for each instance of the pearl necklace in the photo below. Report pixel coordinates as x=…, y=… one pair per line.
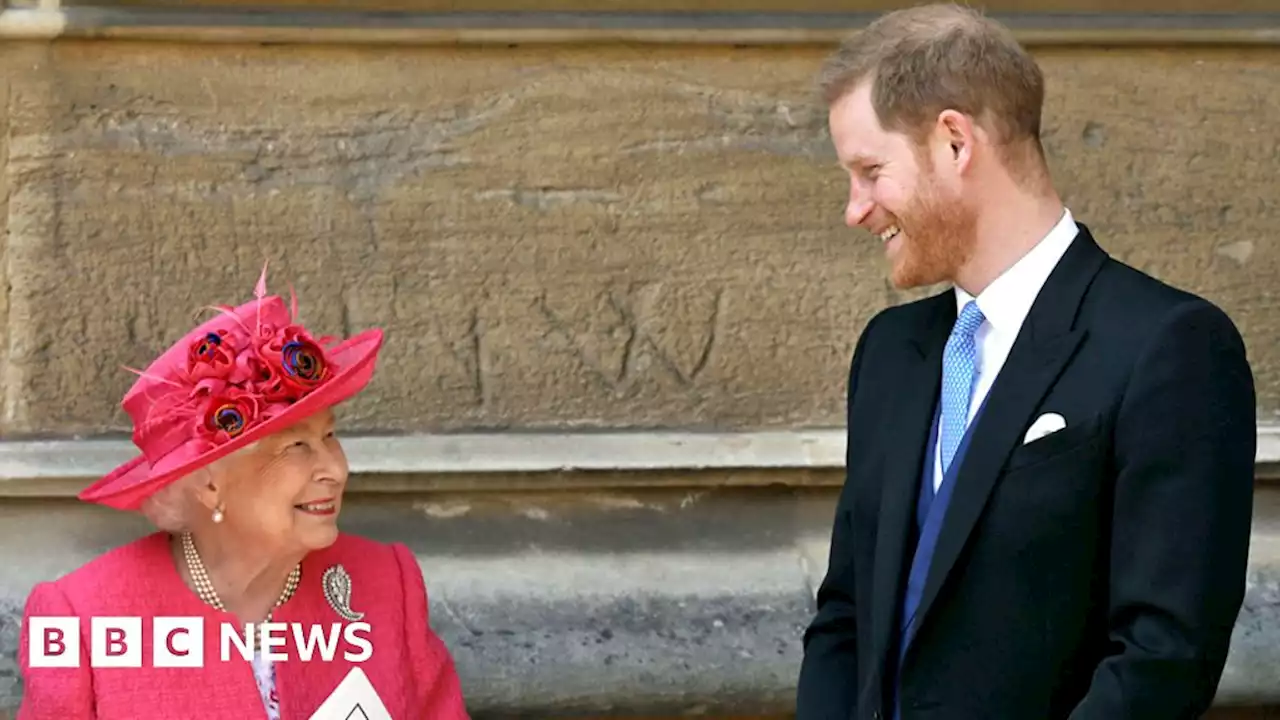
x=204, y=586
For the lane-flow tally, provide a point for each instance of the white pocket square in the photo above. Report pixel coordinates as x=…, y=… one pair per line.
x=1044, y=425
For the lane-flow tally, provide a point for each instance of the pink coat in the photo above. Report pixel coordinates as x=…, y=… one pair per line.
x=409, y=667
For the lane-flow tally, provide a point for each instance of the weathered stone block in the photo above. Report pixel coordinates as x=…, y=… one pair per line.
x=646, y=603
x=553, y=237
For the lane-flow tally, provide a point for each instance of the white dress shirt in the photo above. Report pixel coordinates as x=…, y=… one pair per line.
x=1005, y=304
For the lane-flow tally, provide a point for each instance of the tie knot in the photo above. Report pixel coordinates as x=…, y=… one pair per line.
x=969, y=321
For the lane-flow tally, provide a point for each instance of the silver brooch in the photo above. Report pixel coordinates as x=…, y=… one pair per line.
x=337, y=590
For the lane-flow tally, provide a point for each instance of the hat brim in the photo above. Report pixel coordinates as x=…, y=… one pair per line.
x=129, y=485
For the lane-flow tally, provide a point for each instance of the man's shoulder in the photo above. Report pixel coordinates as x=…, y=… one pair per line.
x=1120, y=280
x=1132, y=302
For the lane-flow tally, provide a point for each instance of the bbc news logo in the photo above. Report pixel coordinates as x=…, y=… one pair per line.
x=179, y=642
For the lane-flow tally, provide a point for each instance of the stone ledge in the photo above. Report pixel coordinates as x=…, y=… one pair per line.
x=495, y=452
x=59, y=468
x=426, y=28
x=624, y=603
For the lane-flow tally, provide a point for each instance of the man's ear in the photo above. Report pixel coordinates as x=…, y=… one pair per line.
x=960, y=134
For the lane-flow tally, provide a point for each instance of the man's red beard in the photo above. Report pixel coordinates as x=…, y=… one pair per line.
x=936, y=238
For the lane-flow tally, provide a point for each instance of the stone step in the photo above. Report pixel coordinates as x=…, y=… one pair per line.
x=657, y=601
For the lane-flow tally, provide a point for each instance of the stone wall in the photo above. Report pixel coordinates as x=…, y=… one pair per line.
x=564, y=238
x=553, y=237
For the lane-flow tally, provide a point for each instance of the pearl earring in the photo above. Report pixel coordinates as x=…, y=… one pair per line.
x=217, y=515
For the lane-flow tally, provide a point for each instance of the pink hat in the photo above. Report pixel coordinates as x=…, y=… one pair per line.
x=243, y=375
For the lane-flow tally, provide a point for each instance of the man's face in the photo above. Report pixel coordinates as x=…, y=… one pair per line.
x=897, y=192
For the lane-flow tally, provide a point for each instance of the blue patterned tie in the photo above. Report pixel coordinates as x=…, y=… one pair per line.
x=959, y=370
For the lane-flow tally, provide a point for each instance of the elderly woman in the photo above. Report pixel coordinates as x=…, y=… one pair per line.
x=242, y=472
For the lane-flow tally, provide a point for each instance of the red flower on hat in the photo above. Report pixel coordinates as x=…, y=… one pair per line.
x=244, y=374
x=227, y=416
x=291, y=365
x=214, y=361
x=210, y=356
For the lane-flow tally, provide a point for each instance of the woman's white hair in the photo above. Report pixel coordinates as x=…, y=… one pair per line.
x=172, y=507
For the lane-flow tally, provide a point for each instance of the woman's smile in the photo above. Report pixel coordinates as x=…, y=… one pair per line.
x=320, y=507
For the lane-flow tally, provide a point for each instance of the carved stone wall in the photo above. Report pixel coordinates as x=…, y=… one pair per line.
x=552, y=236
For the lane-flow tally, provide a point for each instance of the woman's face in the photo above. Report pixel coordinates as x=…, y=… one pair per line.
x=287, y=492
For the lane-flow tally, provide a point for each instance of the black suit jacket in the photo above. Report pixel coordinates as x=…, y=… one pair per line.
x=1093, y=574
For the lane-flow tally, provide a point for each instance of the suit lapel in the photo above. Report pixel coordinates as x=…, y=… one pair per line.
x=920, y=376
x=1046, y=342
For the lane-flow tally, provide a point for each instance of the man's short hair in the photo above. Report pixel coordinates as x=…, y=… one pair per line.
x=930, y=58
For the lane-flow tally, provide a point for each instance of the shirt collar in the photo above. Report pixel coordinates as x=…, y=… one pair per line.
x=1007, y=300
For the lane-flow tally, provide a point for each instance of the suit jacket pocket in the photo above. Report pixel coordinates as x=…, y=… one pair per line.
x=1062, y=442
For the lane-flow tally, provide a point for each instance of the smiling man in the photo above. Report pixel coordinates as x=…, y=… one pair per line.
x=1049, y=489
